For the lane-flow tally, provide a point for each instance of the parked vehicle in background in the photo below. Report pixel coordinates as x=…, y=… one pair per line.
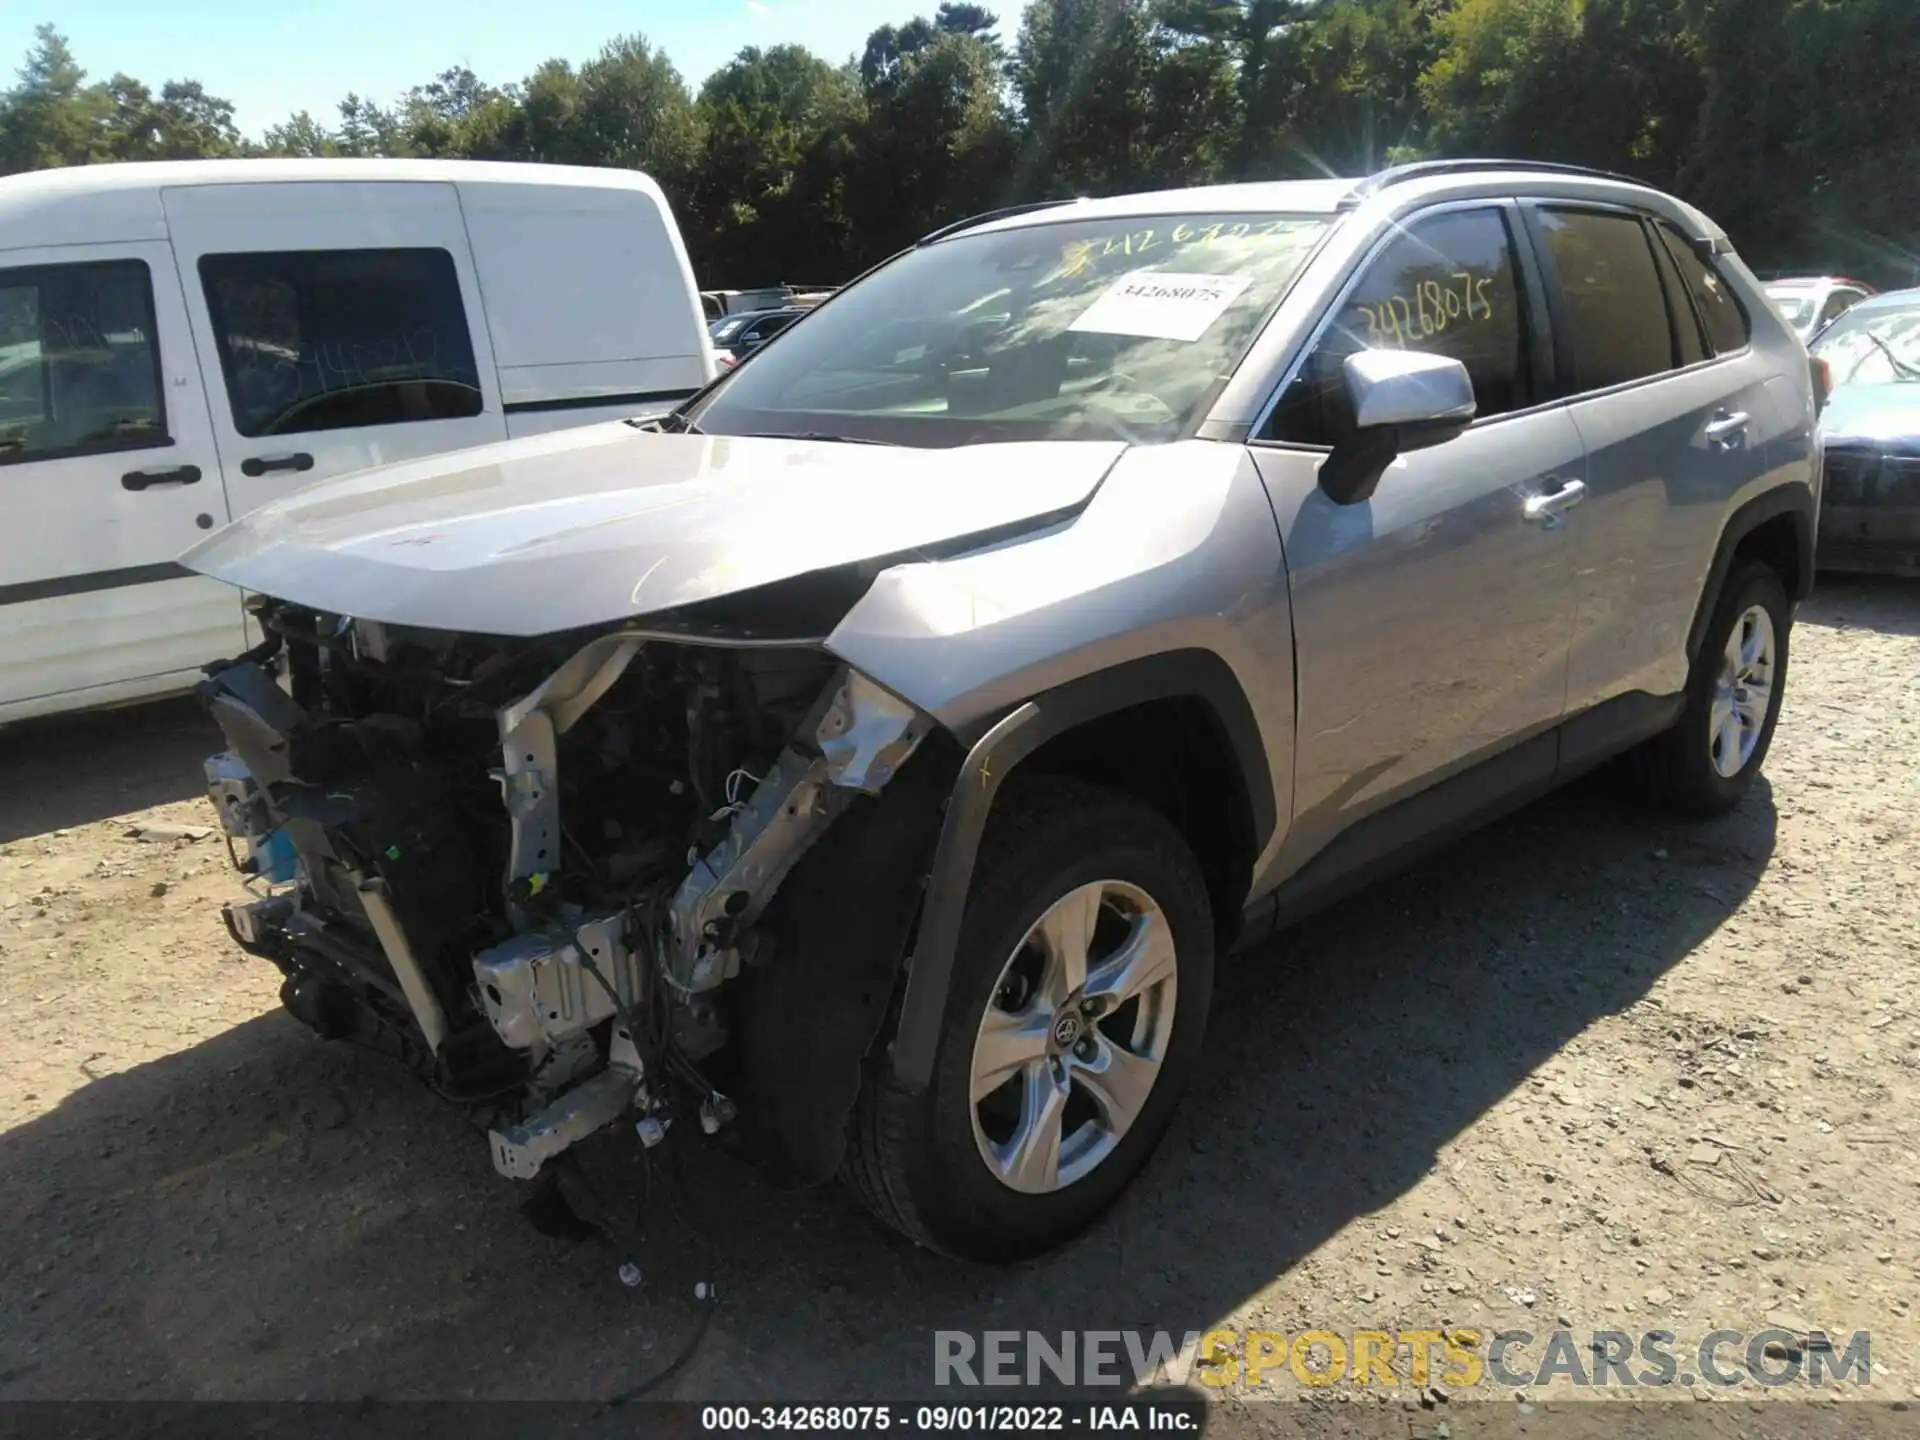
x=182, y=342
x=1811, y=303
x=1870, y=437
x=718, y=304
x=892, y=738
x=738, y=336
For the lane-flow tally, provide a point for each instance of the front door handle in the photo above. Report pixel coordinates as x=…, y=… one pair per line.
x=1726, y=427
x=145, y=479
x=257, y=465
x=1547, y=509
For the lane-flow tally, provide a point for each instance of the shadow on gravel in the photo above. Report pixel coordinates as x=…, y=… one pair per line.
x=70, y=770
x=264, y=1215
x=1863, y=602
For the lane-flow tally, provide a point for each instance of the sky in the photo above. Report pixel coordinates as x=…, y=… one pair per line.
x=274, y=57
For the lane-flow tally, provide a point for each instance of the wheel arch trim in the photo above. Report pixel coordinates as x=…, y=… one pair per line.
x=995, y=754
x=1795, y=499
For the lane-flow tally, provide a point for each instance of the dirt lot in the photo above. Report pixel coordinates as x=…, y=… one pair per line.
x=1585, y=1069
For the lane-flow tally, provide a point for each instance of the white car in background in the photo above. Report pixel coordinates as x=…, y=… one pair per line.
x=1810, y=303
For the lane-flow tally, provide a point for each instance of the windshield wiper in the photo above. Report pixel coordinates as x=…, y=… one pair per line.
x=1900, y=367
x=671, y=423
x=815, y=435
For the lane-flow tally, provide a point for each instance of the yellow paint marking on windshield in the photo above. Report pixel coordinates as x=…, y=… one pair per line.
x=1078, y=255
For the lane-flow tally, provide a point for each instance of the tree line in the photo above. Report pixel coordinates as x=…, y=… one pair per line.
x=1792, y=122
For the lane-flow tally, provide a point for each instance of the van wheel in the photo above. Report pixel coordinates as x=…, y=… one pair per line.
x=1708, y=761
x=1079, y=998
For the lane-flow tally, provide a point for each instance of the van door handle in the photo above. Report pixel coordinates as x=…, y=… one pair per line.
x=179, y=475
x=256, y=465
x=1726, y=426
x=1548, y=508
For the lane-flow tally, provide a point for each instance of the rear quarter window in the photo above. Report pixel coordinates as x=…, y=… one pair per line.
x=1728, y=328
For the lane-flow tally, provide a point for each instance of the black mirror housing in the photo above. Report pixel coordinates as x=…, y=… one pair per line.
x=1352, y=472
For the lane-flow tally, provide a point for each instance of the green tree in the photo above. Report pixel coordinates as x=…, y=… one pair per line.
x=937, y=141
x=1358, y=106
x=635, y=113
x=1113, y=99
x=183, y=123
x=51, y=117
x=298, y=136
x=774, y=122
x=1500, y=85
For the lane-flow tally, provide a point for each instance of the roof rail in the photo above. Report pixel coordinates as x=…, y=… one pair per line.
x=988, y=215
x=1422, y=169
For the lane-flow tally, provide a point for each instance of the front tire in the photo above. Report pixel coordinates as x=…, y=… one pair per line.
x=1079, y=998
x=1709, y=760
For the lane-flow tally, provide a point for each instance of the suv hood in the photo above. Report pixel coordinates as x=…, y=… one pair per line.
x=605, y=523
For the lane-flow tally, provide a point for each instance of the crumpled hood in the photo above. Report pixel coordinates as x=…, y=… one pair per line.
x=603, y=523
x=1873, y=414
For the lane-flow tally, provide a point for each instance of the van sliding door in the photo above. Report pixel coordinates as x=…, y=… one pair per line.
x=339, y=324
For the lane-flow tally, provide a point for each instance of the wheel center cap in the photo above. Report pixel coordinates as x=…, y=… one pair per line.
x=1067, y=1030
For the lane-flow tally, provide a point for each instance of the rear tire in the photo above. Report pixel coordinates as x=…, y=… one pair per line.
x=1708, y=761
x=987, y=1168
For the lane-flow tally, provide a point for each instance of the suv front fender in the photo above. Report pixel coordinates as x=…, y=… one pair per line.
x=1194, y=674
x=1170, y=584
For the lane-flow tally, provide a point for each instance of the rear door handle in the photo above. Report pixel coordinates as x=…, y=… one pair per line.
x=257, y=465
x=145, y=479
x=1726, y=426
x=1547, y=509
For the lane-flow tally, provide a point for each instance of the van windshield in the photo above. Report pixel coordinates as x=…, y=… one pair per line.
x=1097, y=329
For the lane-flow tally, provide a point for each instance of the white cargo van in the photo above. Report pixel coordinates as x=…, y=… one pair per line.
x=182, y=342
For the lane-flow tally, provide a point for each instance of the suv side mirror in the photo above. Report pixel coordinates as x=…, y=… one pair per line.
x=1402, y=400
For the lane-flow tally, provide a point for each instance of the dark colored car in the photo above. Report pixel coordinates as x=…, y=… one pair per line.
x=737, y=336
x=1870, y=437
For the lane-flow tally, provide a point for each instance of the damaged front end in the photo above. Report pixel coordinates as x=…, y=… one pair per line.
x=576, y=878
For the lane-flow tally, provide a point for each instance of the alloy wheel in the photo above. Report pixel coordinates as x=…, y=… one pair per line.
x=1743, y=694
x=1074, y=1036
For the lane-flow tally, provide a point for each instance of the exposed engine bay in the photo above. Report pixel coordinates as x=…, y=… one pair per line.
x=548, y=874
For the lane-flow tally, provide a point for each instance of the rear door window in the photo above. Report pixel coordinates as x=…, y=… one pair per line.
x=315, y=340
x=1728, y=328
x=1447, y=285
x=1612, y=327
x=79, y=362
x=1683, y=316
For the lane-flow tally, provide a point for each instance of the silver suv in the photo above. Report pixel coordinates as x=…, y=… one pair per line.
x=873, y=759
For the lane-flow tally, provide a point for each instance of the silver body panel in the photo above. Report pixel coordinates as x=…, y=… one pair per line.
x=1429, y=626
x=1430, y=622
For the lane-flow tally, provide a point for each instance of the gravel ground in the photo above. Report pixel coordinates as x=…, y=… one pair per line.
x=1586, y=1069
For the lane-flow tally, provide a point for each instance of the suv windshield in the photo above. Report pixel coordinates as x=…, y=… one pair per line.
x=1090, y=330
x=1873, y=345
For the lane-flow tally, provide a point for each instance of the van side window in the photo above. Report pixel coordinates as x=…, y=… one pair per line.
x=79, y=362
x=1446, y=286
x=338, y=339
x=1727, y=325
x=1615, y=314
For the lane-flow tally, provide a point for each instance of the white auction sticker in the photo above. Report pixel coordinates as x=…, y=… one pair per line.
x=1162, y=305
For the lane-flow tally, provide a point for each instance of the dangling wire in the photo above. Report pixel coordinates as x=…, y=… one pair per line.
x=736, y=802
